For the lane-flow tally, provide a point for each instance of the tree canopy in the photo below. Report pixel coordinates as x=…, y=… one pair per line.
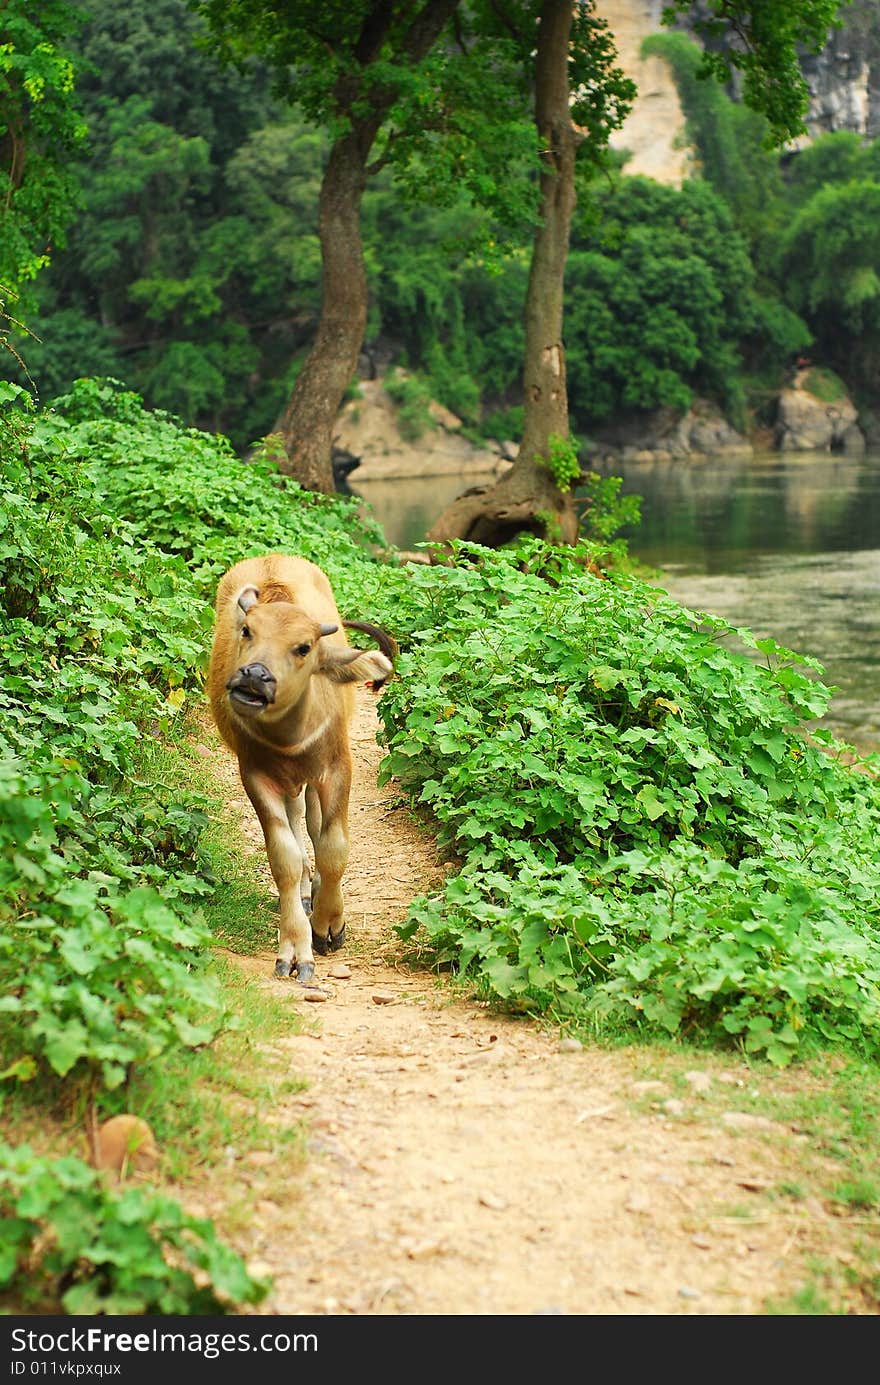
x=193, y=269
x=40, y=133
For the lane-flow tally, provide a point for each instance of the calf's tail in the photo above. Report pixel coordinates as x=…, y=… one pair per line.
x=386, y=643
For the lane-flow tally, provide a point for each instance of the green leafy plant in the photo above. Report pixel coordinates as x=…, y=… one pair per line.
x=647, y=833
x=604, y=511
x=70, y=1244
x=38, y=113
x=562, y=461
x=102, y=952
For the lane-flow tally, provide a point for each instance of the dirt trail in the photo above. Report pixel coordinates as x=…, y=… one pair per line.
x=463, y=1163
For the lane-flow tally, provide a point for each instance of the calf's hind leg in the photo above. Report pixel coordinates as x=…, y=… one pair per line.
x=297, y=815
x=331, y=859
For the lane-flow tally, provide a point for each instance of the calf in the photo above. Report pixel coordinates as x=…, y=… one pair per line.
x=281, y=690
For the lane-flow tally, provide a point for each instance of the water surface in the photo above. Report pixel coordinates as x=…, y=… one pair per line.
x=787, y=545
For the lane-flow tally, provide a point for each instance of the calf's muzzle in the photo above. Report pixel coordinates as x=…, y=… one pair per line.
x=252, y=688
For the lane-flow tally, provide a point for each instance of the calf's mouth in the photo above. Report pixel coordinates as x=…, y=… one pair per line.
x=251, y=690
x=255, y=702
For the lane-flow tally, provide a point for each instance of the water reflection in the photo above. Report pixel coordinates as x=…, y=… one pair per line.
x=718, y=515
x=823, y=604
x=406, y=508
x=786, y=544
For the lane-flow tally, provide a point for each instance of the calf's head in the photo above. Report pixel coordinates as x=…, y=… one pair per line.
x=277, y=648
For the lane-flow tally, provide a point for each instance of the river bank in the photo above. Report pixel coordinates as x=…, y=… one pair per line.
x=785, y=544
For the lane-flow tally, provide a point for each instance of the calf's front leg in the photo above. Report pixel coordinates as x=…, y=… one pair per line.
x=287, y=862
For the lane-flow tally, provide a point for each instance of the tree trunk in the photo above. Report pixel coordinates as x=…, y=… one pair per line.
x=306, y=425
x=527, y=498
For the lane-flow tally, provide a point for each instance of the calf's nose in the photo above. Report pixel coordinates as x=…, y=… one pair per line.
x=255, y=678
x=258, y=673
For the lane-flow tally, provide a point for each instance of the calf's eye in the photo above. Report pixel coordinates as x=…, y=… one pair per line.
x=302, y=650
x=245, y=632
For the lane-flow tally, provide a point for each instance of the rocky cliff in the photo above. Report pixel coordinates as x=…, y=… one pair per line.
x=653, y=133
x=844, y=84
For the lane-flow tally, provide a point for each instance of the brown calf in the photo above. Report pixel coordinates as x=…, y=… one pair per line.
x=280, y=686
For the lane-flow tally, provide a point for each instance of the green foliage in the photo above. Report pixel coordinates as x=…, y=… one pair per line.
x=659, y=289
x=830, y=251
x=169, y=266
x=734, y=156
x=41, y=131
x=825, y=385
x=843, y=157
x=562, y=461
x=774, y=339
x=730, y=139
x=646, y=834
x=827, y=261
x=412, y=398
x=452, y=120
x=88, y=980
x=101, y=871
x=70, y=1244
x=604, y=511
x=194, y=269
x=191, y=498
x=762, y=40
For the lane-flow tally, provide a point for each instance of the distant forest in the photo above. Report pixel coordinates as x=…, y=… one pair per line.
x=191, y=271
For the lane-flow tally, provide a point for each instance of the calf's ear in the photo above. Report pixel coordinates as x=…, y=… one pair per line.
x=353, y=665
x=248, y=597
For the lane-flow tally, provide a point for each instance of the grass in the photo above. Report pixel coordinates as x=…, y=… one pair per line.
x=200, y=1106
x=243, y=914
x=831, y=1106
x=808, y=1302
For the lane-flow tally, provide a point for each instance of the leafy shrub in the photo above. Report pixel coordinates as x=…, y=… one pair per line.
x=562, y=461
x=101, y=953
x=92, y=978
x=39, y=501
x=659, y=293
x=187, y=496
x=646, y=832
x=604, y=511
x=70, y=1244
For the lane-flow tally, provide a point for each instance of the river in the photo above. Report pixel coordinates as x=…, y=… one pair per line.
x=787, y=544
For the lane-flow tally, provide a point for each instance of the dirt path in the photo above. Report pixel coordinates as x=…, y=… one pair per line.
x=462, y=1163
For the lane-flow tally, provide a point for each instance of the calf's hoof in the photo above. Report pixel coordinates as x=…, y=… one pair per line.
x=332, y=943
x=305, y=973
x=283, y=968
